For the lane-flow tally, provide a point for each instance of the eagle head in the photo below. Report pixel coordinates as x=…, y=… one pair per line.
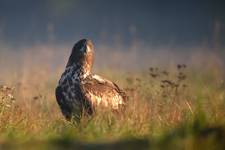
x=82, y=55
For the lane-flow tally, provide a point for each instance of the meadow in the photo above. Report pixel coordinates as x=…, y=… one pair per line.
x=173, y=106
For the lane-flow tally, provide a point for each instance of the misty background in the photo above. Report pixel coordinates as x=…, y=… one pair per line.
x=127, y=34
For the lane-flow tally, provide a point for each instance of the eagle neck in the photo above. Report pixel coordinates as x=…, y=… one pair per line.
x=80, y=72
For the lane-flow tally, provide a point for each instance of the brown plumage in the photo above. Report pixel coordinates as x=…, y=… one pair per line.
x=79, y=91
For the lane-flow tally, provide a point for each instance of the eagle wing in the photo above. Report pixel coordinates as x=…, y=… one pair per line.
x=61, y=100
x=71, y=101
x=100, y=91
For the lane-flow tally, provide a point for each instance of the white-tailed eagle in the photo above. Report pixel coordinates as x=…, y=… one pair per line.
x=79, y=91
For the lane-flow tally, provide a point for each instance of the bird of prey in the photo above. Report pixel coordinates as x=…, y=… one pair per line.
x=79, y=91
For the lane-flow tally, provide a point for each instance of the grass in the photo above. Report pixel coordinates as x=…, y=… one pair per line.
x=178, y=108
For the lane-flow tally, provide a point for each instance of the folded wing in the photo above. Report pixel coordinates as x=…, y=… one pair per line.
x=102, y=92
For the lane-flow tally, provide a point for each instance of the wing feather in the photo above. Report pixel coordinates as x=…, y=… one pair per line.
x=61, y=100
x=72, y=104
x=100, y=91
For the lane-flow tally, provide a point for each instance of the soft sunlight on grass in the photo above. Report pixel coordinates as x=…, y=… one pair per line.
x=176, y=107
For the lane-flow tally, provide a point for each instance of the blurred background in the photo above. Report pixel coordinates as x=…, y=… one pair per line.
x=168, y=56
x=127, y=34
